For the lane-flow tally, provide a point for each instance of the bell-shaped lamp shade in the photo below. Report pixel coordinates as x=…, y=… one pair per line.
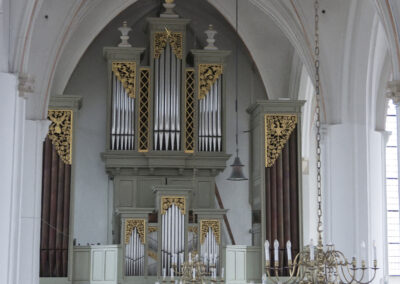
x=237, y=171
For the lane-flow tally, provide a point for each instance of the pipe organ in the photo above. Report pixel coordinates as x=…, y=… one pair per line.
x=165, y=145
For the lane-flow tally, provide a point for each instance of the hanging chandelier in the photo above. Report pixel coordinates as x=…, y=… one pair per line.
x=237, y=166
x=319, y=263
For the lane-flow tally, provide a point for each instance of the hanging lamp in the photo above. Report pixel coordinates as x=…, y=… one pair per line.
x=237, y=166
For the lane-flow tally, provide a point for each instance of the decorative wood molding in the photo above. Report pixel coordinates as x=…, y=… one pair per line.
x=125, y=72
x=215, y=227
x=189, y=111
x=278, y=128
x=144, y=110
x=140, y=225
x=175, y=39
x=178, y=201
x=60, y=133
x=208, y=75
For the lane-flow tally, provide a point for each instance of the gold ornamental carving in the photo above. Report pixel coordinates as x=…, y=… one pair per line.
x=140, y=225
x=175, y=39
x=215, y=227
x=189, y=111
x=178, y=201
x=144, y=110
x=193, y=229
x=126, y=73
x=60, y=133
x=208, y=75
x=152, y=229
x=278, y=128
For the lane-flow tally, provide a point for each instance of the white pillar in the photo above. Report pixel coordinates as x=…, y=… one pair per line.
x=12, y=118
x=30, y=224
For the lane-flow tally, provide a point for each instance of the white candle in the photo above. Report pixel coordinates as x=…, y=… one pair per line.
x=164, y=273
x=276, y=251
x=194, y=273
x=181, y=257
x=190, y=257
x=266, y=248
x=363, y=251
x=172, y=274
x=264, y=279
x=222, y=272
x=374, y=245
x=289, y=250
x=180, y=282
x=311, y=249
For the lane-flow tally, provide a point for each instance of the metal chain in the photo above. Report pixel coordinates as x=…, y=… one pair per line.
x=318, y=121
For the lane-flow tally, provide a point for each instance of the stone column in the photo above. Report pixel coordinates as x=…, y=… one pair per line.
x=30, y=204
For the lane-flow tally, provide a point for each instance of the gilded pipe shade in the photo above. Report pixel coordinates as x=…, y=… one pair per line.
x=278, y=128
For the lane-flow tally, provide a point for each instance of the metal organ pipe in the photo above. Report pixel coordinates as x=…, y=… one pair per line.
x=210, y=126
x=123, y=118
x=167, y=74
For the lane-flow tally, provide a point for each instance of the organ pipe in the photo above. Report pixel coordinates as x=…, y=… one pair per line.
x=123, y=118
x=167, y=74
x=210, y=122
x=134, y=255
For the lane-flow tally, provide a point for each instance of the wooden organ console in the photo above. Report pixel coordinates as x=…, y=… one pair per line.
x=165, y=145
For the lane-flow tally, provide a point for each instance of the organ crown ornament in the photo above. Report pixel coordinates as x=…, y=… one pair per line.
x=124, y=37
x=210, y=33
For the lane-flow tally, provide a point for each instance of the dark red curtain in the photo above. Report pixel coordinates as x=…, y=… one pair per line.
x=56, y=185
x=281, y=196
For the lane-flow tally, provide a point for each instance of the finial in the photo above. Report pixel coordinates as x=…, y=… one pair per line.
x=210, y=38
x=124, y=37
x=169, y=6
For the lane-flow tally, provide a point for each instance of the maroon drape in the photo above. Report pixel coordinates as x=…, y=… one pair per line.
x=281, y=197
x=56, y=184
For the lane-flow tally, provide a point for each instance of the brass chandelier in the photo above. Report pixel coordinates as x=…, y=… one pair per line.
x=317, y=264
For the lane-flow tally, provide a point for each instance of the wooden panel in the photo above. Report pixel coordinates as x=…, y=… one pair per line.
x=125, y=192
x=111, y=265
x=146, y=195
x=82, y=265
x=204, y=194
x=98, y=265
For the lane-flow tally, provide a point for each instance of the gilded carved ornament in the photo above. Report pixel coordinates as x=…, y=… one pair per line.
x=126, y=73
x=208, y=75
x=140, y=225
x=60, y=133
x=193, y=229
x=178, y=201
x=278, y=128
x=215, y=227
x=175, y=39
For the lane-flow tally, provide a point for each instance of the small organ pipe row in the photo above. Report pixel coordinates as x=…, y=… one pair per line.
x=134, y=255
x=172, y=237
x=167, y=90
x=210, y=124
x=210, y=250
x=123, y=118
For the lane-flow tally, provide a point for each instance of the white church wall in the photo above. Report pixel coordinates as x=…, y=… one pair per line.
x=92, y=188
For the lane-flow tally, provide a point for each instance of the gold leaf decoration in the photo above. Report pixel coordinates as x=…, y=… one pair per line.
x=140, y=225
x=189, y=111
x=278, y=128
x=161, y=39
x=152, y=254
x=208, y=75
x=215, y=227
x=60, y=133
x=126, y=73
x=178, y=201
x=193, y=229
x=152, y=229
x=144, y=110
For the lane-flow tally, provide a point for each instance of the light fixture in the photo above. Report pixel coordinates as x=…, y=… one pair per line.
x=319, y=263
x=237, y=166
